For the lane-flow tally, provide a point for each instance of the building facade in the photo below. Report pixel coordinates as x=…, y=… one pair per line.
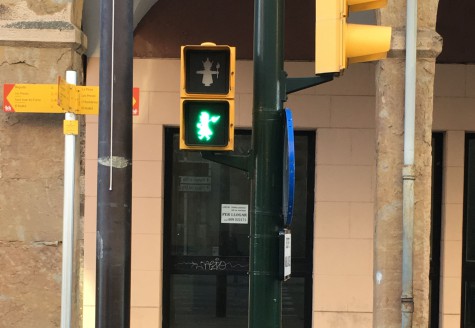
x=348, y=223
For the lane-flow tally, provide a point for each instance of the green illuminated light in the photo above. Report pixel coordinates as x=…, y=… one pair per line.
x=205, y=131
x=206, y=122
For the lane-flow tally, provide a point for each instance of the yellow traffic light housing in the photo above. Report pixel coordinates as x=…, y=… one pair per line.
x=338, y=43
x=207, y=97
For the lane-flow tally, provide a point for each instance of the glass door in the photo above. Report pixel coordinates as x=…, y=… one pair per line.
x=206, y=255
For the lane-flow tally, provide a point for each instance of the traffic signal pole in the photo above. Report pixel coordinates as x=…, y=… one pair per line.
x=114, y=176
x=265, y=301
x=264, y=163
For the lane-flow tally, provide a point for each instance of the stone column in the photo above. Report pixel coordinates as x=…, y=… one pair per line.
x=39, y=40
x=390, y=105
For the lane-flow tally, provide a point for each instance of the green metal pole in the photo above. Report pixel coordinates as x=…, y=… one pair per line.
x=265, y=301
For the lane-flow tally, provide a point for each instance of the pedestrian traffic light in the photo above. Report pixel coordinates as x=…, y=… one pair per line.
x=338, y=43
x=206, y=124
x=207, y=97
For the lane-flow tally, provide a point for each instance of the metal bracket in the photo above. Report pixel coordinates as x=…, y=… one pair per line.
x=407, y=304
x=240, y=162
x=294, y=84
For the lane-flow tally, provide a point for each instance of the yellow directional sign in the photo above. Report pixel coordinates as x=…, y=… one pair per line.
x=64, y=94
x=78, y=99
x=56, y=98
x=88, y=100
x=85, y=99
x=31, y=98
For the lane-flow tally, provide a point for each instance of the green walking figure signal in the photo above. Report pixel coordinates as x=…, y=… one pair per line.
x=205, y=124
x=204, y=129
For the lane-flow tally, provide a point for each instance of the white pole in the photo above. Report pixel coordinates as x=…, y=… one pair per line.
x=68, y=217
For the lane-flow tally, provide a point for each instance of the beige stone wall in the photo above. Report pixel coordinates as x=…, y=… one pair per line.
x=38, y=10
x=42, y=14
x=34, y=49
x=31, y=184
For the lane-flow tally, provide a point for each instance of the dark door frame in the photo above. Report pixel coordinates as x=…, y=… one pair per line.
x=436, y=226
x=468, y=267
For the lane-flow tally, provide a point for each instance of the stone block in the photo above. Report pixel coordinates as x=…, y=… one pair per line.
x=30, y=285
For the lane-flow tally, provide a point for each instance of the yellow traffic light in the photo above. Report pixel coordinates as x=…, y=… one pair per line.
x=338, y=43
x=207, y=97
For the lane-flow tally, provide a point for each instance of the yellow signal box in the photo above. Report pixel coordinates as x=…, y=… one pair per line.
x=207, y=97
x=338, y=43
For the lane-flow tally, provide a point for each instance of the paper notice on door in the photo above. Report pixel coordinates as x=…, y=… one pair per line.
x=235, y=213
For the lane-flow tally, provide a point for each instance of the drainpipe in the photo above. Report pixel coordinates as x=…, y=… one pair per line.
x=407, y=297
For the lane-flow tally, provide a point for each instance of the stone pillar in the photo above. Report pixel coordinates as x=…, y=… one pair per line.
x=39, y=40
x=390, y=87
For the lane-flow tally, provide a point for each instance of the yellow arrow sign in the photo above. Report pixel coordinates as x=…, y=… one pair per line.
x=135, y=101
x=31, y=98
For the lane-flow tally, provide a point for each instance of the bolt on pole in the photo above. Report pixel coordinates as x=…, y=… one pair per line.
x=265, y=286
x=114, y=176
